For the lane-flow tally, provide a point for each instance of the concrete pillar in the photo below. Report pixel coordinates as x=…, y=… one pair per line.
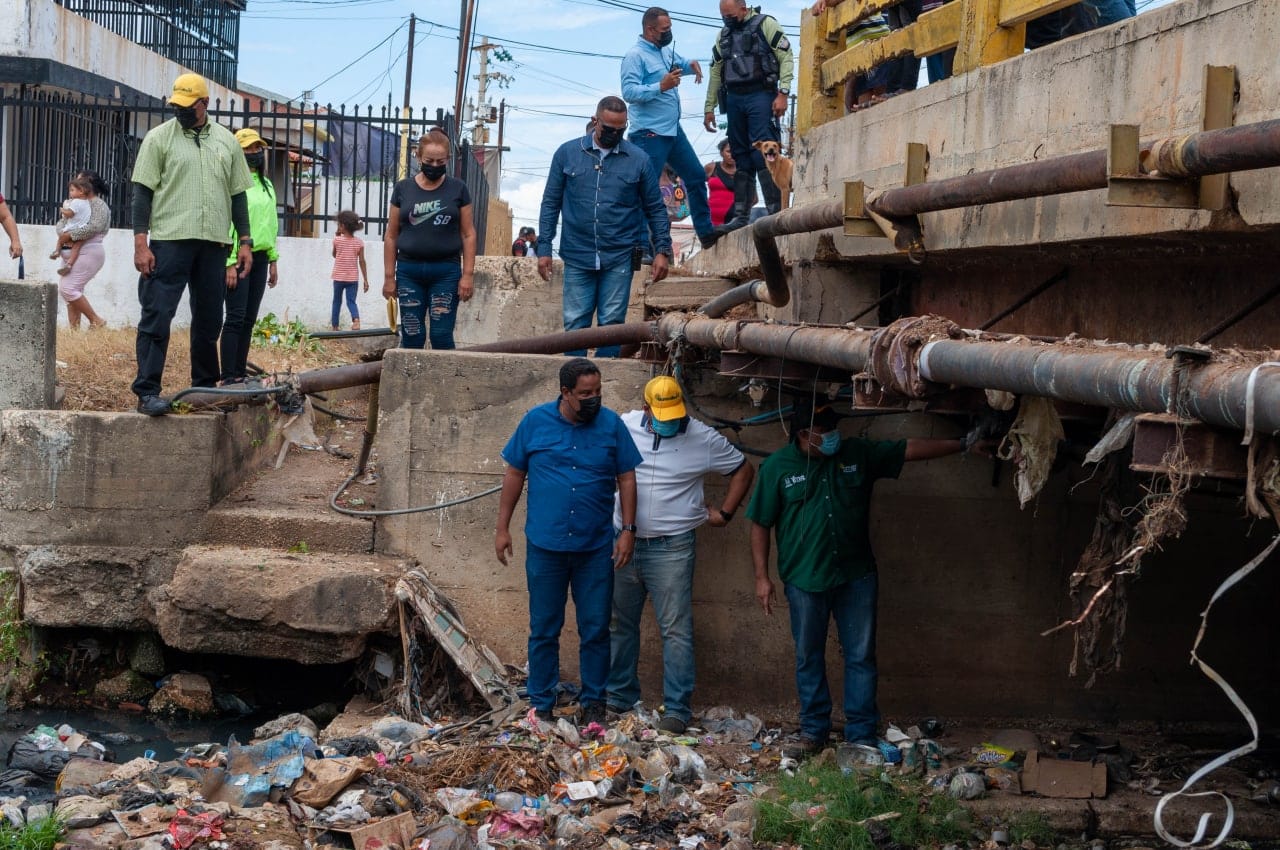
x=28, y=346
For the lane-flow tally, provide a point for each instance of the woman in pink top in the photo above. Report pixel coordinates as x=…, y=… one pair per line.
x=348, y=268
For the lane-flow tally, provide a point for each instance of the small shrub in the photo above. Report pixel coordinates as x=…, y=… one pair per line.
x=292, y=335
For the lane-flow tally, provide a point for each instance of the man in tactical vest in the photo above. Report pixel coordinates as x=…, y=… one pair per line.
x=751, y=70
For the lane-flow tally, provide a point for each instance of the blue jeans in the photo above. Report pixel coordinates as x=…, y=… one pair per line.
x=853, y=606
x=662, y=568
x=428, y=295
x=343, y=288
x=679, y=154
x=596, y=292
x=550, y=575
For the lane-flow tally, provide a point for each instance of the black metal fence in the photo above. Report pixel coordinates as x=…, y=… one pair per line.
x=203, y=35
x=321, y=160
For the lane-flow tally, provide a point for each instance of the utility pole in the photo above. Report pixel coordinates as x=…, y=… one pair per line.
x=482, y=113
x=403, y=171
x=464, y=52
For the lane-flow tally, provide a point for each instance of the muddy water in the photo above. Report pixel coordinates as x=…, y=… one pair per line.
x=129, y=735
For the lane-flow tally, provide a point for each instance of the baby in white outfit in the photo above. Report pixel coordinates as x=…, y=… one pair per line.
x=75, y=214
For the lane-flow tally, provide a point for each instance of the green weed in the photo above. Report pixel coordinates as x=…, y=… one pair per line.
x=291, y=335
x=1031, y=826
x=12, y=631
x=300, y=548
x=821, y=807
x=40, y=835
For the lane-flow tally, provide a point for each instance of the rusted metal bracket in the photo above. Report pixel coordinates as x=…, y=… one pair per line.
x=856, y=220
x=1133, y=181
x=860, y=220
x=1209, y=452
x=917, y=163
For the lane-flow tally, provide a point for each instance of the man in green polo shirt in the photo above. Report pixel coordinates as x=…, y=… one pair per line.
x=815, y=494
x=189, y=184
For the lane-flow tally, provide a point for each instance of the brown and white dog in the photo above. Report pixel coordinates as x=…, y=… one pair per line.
x=779, y=168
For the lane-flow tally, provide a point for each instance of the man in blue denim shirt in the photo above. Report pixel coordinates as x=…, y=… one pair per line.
x=605, y=190
x=651, y=74
x=573, y=451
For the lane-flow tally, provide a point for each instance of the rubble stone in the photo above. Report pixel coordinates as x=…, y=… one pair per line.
x=184, y=693
x=146, y=655
x=285, y=723
x=129, y=686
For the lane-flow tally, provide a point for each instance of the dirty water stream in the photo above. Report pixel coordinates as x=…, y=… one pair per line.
x=129, y=735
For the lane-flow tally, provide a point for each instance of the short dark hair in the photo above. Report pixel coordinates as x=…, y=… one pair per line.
x=100, y=187
x=526, y=231
x=575, y=369
x=652, y=14
x=611, y=103
x=724, y=143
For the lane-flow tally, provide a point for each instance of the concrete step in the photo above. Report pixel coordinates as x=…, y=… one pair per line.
x=685, y=293
x=315, y=608
x=316, y=529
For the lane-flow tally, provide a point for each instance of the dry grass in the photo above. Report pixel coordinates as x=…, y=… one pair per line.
x=96, y=367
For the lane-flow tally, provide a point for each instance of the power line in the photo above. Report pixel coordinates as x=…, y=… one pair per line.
x=344, y=68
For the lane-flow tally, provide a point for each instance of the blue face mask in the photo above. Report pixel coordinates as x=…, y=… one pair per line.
x=830, y=443
x=665, y=429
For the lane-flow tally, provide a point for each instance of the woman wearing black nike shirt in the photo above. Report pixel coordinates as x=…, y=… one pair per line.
x=429, y=230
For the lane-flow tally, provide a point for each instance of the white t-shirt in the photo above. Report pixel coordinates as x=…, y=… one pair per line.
x=669, y=479
x=80, y=211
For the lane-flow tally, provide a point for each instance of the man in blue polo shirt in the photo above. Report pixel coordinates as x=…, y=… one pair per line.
x=572, y=451
x=651, y=75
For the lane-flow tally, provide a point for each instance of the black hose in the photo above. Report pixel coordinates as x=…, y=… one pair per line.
x=228, y=391
x=351, y=334
x=333, y=502
x=335, y=414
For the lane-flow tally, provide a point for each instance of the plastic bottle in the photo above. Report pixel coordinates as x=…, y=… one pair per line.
x=508, y=801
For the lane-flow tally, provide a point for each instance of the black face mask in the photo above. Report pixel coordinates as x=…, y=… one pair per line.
x=255, y=159
x=664, y=38
x=589, y=408
x=731, y=21
x=187, y=116
x=610, y=136
x=432, y=172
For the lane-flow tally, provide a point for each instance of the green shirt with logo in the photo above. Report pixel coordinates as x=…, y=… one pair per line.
x=193, y=174
x=819, y=509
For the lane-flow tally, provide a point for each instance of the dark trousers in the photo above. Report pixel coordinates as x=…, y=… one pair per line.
x=751, y=120
x=242, y=312
x=181, y=264
x=902, y=16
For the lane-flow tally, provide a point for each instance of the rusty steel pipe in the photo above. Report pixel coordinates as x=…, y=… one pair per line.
x=632, y=333
x=1242, y=148
x=765, y=232
x=358, y=374
x=1214, y=393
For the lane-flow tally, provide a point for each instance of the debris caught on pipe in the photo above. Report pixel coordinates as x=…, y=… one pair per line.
x=1032, y=443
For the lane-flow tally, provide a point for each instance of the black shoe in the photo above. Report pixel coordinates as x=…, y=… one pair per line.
x=672, y=725
x=706, y=240
x=594, y=712
x=153, y=405
x=544, y=715
x=804, y=747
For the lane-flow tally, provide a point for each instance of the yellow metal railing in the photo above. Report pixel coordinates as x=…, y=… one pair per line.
x=983, y=32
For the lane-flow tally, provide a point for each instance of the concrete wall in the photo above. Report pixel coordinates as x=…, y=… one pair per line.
x=1056, y=100
x=968, y=580
x=510, y=300
x=27, y=347
x=41, y=29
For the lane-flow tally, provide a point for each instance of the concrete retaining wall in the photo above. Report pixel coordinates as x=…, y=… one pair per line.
x=968, y=580
x=27, y=356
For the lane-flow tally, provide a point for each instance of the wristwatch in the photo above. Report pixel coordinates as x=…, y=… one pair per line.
x=784, y=92
x=245, y=240
x=726, y=515
x=630, y=526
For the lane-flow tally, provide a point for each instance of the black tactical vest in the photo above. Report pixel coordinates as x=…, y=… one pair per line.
x=749, y=62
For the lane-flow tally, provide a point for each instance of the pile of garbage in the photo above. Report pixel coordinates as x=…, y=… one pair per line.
x=503, y=779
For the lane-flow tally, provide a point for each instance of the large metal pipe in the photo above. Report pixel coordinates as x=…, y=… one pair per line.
x=765, y=232
x=1240, y=148
x=359, y=374
x=1123, y=379
x=752, y=290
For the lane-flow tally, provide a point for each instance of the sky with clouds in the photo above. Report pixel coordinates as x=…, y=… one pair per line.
x=565, y=57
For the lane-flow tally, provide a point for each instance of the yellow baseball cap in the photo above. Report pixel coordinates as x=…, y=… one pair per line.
x=248, y=137
x=187, y=89
x=664, y=398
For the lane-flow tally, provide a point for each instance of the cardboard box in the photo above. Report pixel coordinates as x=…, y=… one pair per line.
x=1050, y=777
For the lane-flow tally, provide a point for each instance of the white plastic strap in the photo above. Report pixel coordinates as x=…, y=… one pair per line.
x=1249, y=388
x=1203, y=825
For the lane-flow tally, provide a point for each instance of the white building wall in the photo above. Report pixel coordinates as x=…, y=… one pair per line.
x=42, y=29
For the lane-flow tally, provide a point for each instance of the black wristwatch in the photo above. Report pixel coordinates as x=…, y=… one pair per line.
x=726, y=515
x=245, y=240
x=630, y=526
x=784, y=92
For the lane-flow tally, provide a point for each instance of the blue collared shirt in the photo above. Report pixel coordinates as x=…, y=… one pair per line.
x=651, y=108
x=572, y=471
x=608, y=205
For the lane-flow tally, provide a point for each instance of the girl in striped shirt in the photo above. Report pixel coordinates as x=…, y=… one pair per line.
x=348, y=268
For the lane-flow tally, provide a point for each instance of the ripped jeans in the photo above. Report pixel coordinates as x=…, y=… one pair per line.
x=428, y=296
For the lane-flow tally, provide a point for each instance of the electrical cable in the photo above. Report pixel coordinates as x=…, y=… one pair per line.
x=333, y=501
x=346, y=417
x=227, y=391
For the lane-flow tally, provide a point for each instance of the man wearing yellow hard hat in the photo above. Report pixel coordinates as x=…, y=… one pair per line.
x=678, y=453
x=189, y=184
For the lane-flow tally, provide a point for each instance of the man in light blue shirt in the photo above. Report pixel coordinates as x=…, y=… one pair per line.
x=651, y=75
